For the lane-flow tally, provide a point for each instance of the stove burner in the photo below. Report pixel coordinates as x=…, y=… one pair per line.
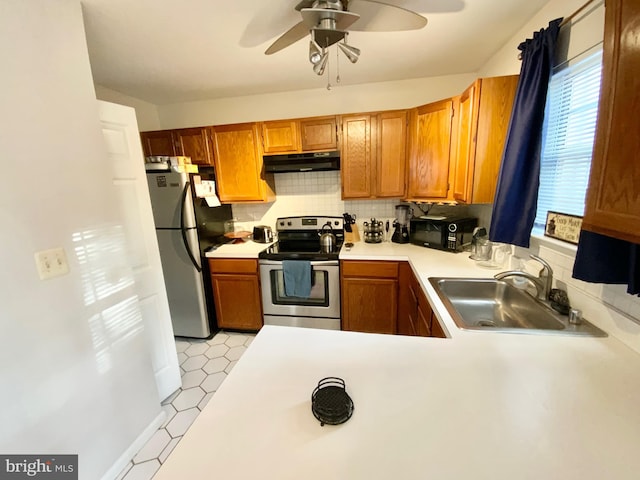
x=330, y=402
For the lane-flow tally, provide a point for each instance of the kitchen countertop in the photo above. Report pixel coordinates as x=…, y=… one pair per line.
x=425, y=262
x=248, y=249
x=472, y=407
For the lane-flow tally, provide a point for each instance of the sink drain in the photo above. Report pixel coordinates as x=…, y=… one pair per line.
x=486, y=323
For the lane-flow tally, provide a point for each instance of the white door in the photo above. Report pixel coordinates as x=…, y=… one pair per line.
x=120, y=130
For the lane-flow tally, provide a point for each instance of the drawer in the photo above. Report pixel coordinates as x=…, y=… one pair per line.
x=357, y=268
x=233, y=265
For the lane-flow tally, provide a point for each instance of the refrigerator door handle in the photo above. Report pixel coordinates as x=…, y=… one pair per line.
x=185, y=191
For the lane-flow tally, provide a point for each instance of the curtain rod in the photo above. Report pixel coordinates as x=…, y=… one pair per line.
x=568, y=19
x=577, y=12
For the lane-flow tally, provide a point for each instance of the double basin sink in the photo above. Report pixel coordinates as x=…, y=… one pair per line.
x=496, y=305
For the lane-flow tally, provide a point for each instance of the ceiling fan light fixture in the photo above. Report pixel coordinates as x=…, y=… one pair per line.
x=322, y=64
x=315, y=52
x=352, y=53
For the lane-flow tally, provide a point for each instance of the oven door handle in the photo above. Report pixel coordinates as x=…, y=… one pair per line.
x=323, y=263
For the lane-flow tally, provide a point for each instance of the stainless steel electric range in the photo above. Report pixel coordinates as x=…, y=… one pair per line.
x=299, y=240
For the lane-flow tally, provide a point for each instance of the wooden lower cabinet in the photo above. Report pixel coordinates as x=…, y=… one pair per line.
x=385, y=297
x=407, y=302
x=436, y=328
x=369, y=296
x=424, y=318
x=236, y=292
x=415, y=315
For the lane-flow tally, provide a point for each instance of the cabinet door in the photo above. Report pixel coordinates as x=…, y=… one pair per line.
x=424, y=314
x=238, y=162
x=356, y=157
x=466, y=138
x=237, y=299
x=158, y=143
x=194, y=143
x=496, y=96
x=369, y=304
x=407, y=302
x=391, y=154
x=319, y=134
x=436, y=329
x=613, y=201
x=281, y=137
x=430, y=149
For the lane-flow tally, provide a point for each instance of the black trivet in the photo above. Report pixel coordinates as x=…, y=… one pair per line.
x=330, y=402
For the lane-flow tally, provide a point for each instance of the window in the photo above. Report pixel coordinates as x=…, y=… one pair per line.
x=567, y=140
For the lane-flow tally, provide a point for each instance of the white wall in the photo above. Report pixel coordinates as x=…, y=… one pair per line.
x=75, y=369
x=585, y=30
x=609, y=306
x=146, y=113
x=309, y=103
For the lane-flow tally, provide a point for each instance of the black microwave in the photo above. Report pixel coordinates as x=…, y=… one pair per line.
x=442, y=232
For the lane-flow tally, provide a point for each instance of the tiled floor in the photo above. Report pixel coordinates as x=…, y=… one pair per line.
x=204, y=364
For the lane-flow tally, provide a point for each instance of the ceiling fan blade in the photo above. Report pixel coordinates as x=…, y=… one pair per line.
x=382, y=17
x=291, y=36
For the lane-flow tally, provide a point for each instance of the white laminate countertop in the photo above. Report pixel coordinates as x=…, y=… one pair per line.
x=491, y=407
x=248, y=249
x=478, y=405
x=425, y=262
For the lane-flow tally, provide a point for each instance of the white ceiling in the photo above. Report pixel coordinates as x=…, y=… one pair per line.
x=170, y=51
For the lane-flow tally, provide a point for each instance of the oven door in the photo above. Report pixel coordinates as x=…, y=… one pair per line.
x=323, y=302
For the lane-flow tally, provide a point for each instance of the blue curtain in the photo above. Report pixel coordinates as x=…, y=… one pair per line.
x=514, y=208
x=602, y=259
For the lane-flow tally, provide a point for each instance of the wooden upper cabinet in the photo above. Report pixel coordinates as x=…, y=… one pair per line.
x=187, y=142
x=319, y=133
x=356, y=168
x=373, y=155
x=238, y=162
x=465, y=145
x=194, y=143
x=429, y=151
x=613, y=196
x=158, y=143
x=495, y=97
x=391, y=154
x=281, y=136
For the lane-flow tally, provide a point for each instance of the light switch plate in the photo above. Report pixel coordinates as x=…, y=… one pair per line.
x=51, y=263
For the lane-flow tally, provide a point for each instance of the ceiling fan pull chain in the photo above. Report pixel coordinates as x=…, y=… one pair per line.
x=337, y=66
x=328, y=68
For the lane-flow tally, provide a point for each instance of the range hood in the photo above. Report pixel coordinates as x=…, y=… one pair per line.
x=302, y=162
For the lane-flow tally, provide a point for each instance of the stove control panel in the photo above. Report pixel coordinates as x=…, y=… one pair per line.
x=308, y=223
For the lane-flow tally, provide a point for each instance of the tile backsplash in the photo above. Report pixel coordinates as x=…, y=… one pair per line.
x=318, y=193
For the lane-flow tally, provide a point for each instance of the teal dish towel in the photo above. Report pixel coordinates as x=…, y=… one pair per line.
x=297, y=278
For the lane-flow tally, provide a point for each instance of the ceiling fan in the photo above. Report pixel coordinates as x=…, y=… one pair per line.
x=328, y=22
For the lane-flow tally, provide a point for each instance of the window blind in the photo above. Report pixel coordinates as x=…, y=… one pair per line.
x=567, y=142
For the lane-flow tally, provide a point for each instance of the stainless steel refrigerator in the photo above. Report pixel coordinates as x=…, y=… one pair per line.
x=186, y=227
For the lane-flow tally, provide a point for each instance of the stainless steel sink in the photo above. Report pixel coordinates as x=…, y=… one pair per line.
x=498, y=306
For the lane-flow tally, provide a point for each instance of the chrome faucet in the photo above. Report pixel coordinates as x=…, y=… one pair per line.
x=543, y=282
